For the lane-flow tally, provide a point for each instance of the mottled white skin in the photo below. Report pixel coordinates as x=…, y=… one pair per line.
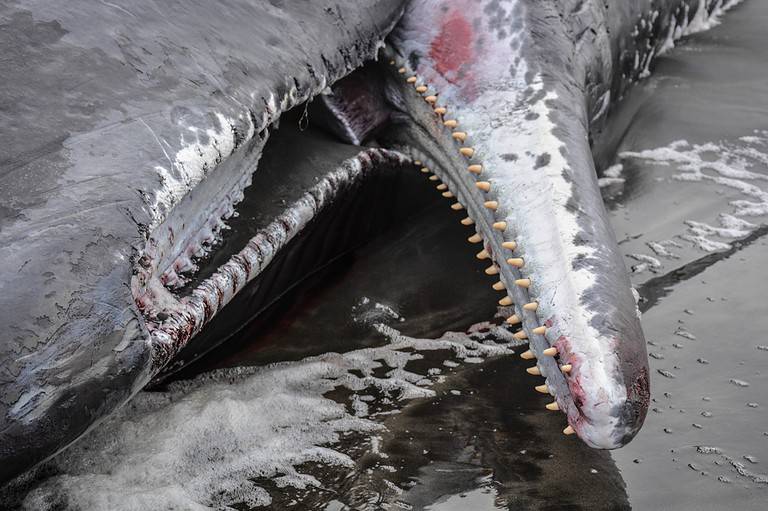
x=515, y=77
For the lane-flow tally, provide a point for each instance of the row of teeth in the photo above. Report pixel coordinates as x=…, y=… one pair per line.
x=501, y=226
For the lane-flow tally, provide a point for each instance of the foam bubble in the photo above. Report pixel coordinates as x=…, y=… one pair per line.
x=200, y=444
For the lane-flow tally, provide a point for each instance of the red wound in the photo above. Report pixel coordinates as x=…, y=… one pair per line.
x=452, y=48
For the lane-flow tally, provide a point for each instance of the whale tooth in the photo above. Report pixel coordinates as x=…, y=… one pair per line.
x=402, y=70
x=506, y=301
x=550, y=352
x=417, y=162
x=542, y=388
x=425, y=170
x=516, y=261
x=483, y=185
x=434, y=178
x=451, y=123
x=421, y=89
x=499, y=286
x=411, y=79
x=440, y=110
x=442, y=186
x=483, y=254
x=553, y=406
x=540, y=330
x=491, y=204
x=467, y=221
x=520, y=335
x=457, y=207
x=475, y=238
x=391, y=62
x=467, y=151
x=528, y=355
x=492, y=270
x=500, y=226
x=531, y=306
x=513, y=319
x=523, y=282
x=448, y=195
x=430, y=99
x=566, y=368
x=459, y=135
x=475, y=169
x=569, y=430
x=511, y=245
x=534, y=371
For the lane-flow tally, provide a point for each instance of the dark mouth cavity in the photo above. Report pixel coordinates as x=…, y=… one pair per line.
x=303, y=151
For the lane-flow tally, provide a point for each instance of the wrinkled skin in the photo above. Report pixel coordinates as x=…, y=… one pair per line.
x=130, y=133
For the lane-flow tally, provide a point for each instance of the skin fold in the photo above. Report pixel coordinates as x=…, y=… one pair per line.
x=130, y=133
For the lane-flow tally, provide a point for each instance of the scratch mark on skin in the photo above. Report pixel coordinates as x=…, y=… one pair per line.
x=162, y=148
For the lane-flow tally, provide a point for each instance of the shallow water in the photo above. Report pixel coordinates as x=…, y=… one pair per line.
x=401, y=421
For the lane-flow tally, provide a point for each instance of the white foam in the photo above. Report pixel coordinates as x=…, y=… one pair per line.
x=612, y=176
x=198, y=445
x=738, y=165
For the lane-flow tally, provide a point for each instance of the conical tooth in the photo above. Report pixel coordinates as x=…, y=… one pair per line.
x=467, y=151
x=459, y=135
x=531, y=306
x=534, y=371
x=417, y=162
x=492, y=270
x=511, y=245
x=483, y=254
x=550, y=352
x=467, y=221
x=499, y=286
x=391, y=62
x=500, y=226
x=421, y=89
x=411, y=79
x=442, y=186
x=516, y=261
x=425, y=170
x=520, y=335
x=513, y=319
x=540, y=330
x=475, y=169
x=523, y=282
x=448, y=195
x=506, y=301
x=402, y=70
x=566, y=368
x=542, y=388
x=553, y=406
x=483, y=185
x=475, y=238
x=430, y=99
x=440, y=110
x=569, y=430
x=491, y=204
x=528, y=355
x=457, y=207
x=434, y=178
x=451, y=123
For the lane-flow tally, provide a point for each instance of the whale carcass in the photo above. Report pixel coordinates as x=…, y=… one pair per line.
x=130, y=133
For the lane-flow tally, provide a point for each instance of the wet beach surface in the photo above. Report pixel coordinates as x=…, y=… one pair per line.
x=382, y=416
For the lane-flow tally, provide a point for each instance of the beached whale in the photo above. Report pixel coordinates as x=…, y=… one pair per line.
x=131, y=132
